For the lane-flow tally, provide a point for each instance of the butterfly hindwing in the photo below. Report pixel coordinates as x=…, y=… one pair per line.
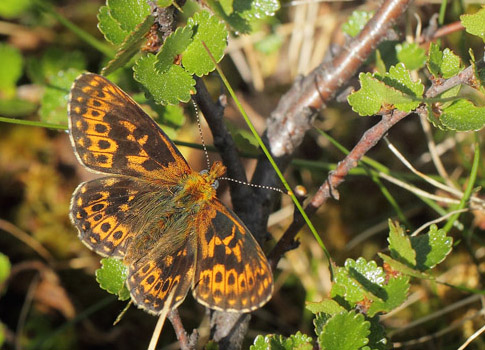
x=112, y=134
x=232, y=272
x=152, y=278
x=107, y=211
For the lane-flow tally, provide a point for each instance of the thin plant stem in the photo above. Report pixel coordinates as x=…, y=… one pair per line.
x=470, y=185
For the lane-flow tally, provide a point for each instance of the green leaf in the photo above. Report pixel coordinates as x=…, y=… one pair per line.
x=211, y=345
x=130, y=47
x=167, y=88
x=173, y=46
x=400, y=245
x=2, y=334
x=372, y=96
x=394, y=89
x=52, y=61
x=5, y=267
x=357, y=20
x=451, y=64
x=475, y=24
x=377, y=336
x=327, y=306
x=358, y=280
x=112, y=276
x=413, y=56
x=435, y=58
x=269, y=44
x=164, y=3
x=402, y=268
x=395, y=291
x=120, y=17
x=463, y=115
x=444, y=64
x=400, y=79
x=321, y=320
x=170, y=115
x=434, y=114
x=300, y=341
x=345, y=331
x=109, y=27
x=14, y=8
x=16, y=107
x=128, y=13
x=296, y=341
x=260, y=343
x=10, y=70
x=362, y=282
x=235, y=19
x=211, y=31
x=380, y=65
x=54, y=101
x=478, y=70
x=226, y=6
x=431, y=248
x=255, y=10
x=244, y=139
x=244, y=13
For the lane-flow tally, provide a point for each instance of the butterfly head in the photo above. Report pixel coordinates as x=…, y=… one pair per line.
x=217, y=170
x=202, y=186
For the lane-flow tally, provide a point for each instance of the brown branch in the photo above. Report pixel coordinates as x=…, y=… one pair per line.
x=181, y=334
x=223, y=141
x=466, y=76
x=295, y=112
x=228, y=329
x=329, y=188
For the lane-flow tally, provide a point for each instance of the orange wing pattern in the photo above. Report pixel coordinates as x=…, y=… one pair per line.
x=232, y=272
x=112, y=134
x=152, y=278
x=155, y=212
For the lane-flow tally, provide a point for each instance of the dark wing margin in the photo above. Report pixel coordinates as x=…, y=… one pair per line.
x=110, y=133
x=232, y=272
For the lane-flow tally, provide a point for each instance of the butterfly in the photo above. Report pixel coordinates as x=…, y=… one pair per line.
x=156, y=213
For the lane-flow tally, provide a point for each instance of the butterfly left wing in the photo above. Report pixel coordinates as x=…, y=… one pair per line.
x=232, y=272
x=110, y=133
x=167, y=269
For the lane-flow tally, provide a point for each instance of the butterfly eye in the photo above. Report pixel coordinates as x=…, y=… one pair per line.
x=215, y=184
x=203, y=172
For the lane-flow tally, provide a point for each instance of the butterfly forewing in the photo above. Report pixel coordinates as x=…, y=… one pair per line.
x=112, y=134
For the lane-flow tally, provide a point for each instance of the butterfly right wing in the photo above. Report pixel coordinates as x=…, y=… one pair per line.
x=110, y=133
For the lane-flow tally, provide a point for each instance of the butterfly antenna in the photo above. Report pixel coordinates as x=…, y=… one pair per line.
x=208, y=160
x=253, y=185
x=200, y=134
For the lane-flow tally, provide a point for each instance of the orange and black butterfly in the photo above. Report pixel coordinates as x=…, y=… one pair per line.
x=156, y=213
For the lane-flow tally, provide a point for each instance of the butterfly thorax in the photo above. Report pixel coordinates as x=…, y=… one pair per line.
x=200, y=188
